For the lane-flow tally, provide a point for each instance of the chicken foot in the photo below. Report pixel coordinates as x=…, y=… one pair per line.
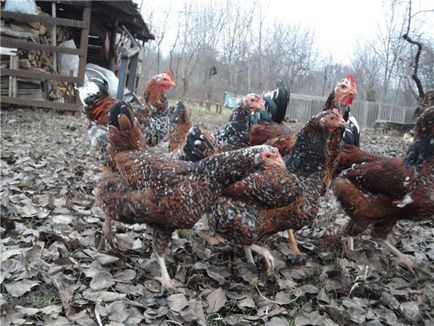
x=164, y=279
x=160, y=240
x=264, y=252
x=402, y=258
x=107, y=234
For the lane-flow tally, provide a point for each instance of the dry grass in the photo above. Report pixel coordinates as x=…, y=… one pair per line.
x=208, y=119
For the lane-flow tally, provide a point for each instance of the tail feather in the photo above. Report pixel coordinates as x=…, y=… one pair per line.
x=121, y=116
x=351, y=134
x=197, y=146
x=276, y=102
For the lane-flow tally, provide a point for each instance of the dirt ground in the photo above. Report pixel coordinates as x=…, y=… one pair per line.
x=52, y=274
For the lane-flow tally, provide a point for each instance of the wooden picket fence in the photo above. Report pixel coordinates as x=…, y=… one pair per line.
x=302, y=107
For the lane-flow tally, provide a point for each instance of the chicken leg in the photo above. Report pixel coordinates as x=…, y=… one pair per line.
x=107, y=234
x=249, y=255
x=160, y=240
x=164, y=279
x=293, y=243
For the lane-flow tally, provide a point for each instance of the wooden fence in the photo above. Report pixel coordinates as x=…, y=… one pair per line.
x=302, y=107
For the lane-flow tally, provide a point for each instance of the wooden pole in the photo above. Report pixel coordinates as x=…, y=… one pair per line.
x=54, y=35
x=83, y=44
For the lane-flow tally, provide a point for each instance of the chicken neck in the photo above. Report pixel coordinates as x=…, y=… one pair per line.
x=309, y=153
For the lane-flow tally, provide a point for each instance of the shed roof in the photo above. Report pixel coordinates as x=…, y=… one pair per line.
x=128, y=14
x=125, y=11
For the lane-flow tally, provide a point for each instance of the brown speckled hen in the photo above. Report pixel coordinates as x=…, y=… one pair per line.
x=274, y=200
x=168, y=194
x=234, y=135
x=379, y=191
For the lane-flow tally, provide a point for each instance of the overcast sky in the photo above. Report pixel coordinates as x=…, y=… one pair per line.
x=337, y=24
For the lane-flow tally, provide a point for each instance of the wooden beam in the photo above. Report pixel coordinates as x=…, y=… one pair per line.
x=20, y=44
x=38, y=75
x=84, y=38
x=54, y=35
x=46, y=20
x=41, y=103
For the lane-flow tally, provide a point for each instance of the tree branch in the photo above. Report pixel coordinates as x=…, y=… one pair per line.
x=416, y=58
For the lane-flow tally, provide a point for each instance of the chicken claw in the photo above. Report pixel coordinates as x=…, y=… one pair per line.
x=402, y=258
x=264, y=252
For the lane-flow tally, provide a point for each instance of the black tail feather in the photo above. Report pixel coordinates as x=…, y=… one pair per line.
x=179, y=113
x=197, y=147
x=276, y=102
x=120, y=108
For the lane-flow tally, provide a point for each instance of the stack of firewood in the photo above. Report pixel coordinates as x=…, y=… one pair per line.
x=34, y=60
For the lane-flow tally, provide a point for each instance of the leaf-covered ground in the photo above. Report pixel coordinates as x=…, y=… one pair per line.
x=52, y=274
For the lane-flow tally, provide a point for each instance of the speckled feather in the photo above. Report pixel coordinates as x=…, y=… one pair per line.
x=275, y=200
x=382, y=191
x=167, y=194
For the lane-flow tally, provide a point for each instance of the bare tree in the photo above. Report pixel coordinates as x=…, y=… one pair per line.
x=419, y=46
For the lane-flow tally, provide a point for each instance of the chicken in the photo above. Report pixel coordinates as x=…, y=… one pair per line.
x=153, y=116
x=167, y=194
x=270, y=201
x=234, y=135
x=341, y=98
x=380, y=191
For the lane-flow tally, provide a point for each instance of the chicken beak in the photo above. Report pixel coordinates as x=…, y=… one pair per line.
x=260, y=106
x=172, y=84
x=278, y=161
x=341, y=122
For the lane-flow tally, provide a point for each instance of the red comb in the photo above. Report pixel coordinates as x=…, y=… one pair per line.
x=351, y=78
x=169, y=73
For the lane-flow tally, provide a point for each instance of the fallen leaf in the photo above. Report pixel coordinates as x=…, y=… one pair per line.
x=177, y=302
x=125, y=275
x=247, y=302
x=216, y=300
x=62, y=219
x=21, y=287
x=276, y=321
x=101, y=280
x=117, y=311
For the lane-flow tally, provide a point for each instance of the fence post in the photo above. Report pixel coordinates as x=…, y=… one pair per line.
x=366, y=114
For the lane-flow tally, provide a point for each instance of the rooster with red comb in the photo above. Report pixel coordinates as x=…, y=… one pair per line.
x=153, y=116
x=341, y=98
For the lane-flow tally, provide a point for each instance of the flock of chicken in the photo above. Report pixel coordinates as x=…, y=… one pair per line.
x=237, y=176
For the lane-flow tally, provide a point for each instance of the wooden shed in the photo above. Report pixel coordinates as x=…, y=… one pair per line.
x=94, y=26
